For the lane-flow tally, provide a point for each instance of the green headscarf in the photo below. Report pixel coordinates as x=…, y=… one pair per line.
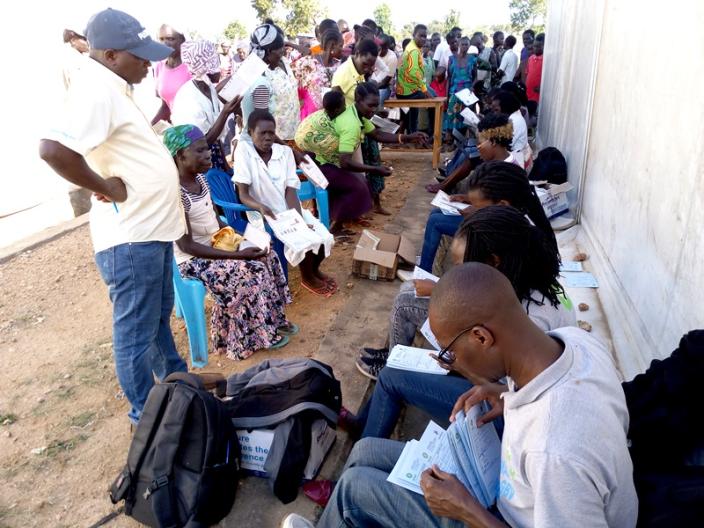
x=181, y=136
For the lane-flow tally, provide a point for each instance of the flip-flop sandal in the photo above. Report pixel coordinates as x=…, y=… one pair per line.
x=323, y=292
x=280, y=343
x=291, y=330
x=331, y=282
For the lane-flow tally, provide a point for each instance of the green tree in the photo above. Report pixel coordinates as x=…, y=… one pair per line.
x=527, y=13
x=264, y=8
x=452, y=19
x=235, y=30
x=382, y=16
x=294, y=16
x=301, y=16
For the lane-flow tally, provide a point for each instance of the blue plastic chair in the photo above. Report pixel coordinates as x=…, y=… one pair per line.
x=189, y=296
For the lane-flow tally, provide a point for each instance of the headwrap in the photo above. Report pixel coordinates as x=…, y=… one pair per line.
x=180, y=137
x=201, y=58
x=266, y=37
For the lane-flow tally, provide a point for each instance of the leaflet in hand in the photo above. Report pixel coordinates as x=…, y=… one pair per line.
x=470, y=453
x=414, y=360
x=384, y=124
x=429, y=335
x=470, y=118
x=257, y=237
x=313, y=172
x=442, y=202
x=246, y=75
x=421, y=274
x=292, y=230
x=467, y=97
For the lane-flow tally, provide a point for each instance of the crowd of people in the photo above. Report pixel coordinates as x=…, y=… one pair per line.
x=505, y=326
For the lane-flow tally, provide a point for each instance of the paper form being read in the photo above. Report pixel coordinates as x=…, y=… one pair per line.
x=246, y=75
x=442, y=201
x=414, y=360
x=470, y=453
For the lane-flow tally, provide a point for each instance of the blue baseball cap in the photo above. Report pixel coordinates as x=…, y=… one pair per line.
x=113, y=29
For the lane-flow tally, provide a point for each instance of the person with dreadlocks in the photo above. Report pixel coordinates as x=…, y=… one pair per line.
x=248, y=284
x=493, y=183
x=502, y=237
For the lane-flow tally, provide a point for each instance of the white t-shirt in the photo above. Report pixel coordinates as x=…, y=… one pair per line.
x=267, y=182
x=509, y=65
x=192, y=107
x=381, y=71
x=442, y=54
x=100, y=121
x=548, y=317
x=391, y=61
x=520, y=133
x=565, y=460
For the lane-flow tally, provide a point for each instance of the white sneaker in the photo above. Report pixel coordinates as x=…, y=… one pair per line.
x=293, y=520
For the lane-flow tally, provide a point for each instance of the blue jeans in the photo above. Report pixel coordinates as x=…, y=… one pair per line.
x=434, y=394
x=363, y=497
x=138, y=276
x=410, y=119
x=438, y=224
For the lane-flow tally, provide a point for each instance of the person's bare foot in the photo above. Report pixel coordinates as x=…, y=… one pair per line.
x=327, y=279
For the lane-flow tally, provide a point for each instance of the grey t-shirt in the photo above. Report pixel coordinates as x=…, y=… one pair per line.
x=564, y=457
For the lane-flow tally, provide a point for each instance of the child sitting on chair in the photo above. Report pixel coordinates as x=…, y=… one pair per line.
x=248, y=284
x=265, y=175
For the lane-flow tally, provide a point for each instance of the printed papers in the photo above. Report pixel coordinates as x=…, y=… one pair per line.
x=571, y=265
x=471, y=453
x=442, y=202
x=421, y=274
x=394, y=113
x=414, y=360
x=429, y=335
x=246, y=75
x=292, y=230
x=580, y=279
x=313, y=173
x=470, y=118
x=257, y=237
x=467, y=97
x=384, y=124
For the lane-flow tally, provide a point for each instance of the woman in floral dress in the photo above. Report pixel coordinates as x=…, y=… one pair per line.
x=277, y=89
x=314, y=72
x=248, y=285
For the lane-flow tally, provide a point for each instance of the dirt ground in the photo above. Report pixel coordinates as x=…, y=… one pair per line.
x=64, y=433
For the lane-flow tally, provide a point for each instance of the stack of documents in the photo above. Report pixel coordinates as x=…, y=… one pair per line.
x=470, y=453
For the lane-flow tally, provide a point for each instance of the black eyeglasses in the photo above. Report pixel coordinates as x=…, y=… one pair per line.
x=446, y=355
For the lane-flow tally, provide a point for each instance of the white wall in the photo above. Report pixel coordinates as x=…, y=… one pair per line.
x=636, y=147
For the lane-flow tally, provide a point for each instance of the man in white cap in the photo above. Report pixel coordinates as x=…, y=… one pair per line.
x=102, y=142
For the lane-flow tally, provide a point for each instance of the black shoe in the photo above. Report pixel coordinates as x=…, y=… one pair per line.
x=370, y=367
x=374, y=353
x=442, y=171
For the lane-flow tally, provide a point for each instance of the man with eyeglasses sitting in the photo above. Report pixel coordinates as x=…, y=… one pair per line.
x=564, y=456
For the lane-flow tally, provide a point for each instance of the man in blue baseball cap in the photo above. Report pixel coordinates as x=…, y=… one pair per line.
x=102, y=142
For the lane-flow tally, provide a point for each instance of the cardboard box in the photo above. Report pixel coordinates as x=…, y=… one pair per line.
x=377, y=254
x=553, y=198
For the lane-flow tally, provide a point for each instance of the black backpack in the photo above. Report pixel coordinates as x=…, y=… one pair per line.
x=183, y=464
x=550, y=165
